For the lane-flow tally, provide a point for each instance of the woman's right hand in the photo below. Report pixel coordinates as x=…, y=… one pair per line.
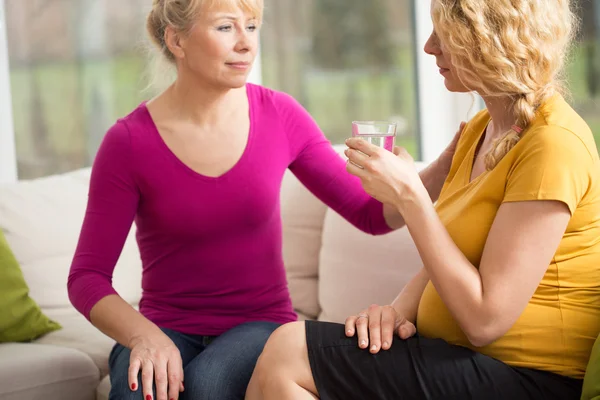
x=376, y=327
x=159, y=359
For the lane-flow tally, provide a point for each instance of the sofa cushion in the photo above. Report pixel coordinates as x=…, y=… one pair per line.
x=35, y=371
x=80, y=334
x=103, y=389
x=302, y=215
x=42, y=219
x=357, y=269
x=21, y=319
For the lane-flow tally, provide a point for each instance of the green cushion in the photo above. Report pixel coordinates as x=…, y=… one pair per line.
x=21, y=319
x=591, y=381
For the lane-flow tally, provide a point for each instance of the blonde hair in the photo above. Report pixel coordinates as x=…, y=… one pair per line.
x=181, y=15
x=508, y=48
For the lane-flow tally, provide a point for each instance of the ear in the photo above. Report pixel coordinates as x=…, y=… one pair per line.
x=173, y=40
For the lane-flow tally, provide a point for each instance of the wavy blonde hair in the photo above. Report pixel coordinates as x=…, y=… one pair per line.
x=181, y=15
x=508, y=48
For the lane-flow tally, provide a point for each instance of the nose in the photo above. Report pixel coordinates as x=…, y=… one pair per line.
x=432, y=46
x=245, y=41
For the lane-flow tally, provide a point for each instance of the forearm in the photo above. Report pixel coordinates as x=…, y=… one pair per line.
x=116, y=318
x=433, y=178
x=407, y=302
x=457, y=281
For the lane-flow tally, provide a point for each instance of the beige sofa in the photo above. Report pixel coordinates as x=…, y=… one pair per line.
x=333, y=270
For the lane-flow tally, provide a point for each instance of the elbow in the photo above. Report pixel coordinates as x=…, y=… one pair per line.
x=375, y=232
x=79, y=291
x=71, y=289
x=373, y=229
x=363, y=226
x=372, y=220
x=479, y=339
x=483, y=334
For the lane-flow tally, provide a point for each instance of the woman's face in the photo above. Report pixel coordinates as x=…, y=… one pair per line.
x=220, y=48
x=435, y=47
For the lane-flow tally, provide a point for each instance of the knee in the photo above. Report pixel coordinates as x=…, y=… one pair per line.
x=209, y=385
x=284, y=348
x=120, y=390
x=119, y=376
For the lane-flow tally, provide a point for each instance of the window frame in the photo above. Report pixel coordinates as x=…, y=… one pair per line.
x=8, y=152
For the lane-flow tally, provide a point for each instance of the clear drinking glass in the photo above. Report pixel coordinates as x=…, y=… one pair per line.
x=379, y=133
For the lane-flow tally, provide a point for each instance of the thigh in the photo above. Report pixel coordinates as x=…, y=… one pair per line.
x=420, y=368
x=222, y=371
x=119, y=365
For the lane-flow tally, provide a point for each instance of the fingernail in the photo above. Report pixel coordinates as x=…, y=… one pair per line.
x=386, y=344
x=349, y=331
x=133, y=386
x=362, y=342
x=373, y=348
x=148, y=397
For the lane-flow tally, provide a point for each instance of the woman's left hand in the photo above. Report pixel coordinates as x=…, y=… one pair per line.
x=391, y=178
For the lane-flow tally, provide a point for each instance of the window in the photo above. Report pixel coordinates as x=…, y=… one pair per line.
x=584, y=69
x=75, y=67
x=345, y=60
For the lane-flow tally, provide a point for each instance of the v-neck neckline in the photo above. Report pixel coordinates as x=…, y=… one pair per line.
x=473, y=152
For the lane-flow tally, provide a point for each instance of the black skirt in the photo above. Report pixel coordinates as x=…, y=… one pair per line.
x=421, y=368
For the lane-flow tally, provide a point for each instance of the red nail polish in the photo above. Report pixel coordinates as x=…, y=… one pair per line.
x=133, y=386
x=148, y=397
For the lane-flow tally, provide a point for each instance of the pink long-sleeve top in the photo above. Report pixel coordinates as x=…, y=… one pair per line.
x=211, y=247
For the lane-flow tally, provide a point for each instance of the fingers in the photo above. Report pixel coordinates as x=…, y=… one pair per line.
x=162, y=383
x=406, y=329
x=175, y=376
x=134, y=369
x=362, y=146
x=402, y=153
x=356, y=157
x=375, y=328
x=350, y=325
x=147, y=378
x=355, y=170
x=362, y=330
x=388, y=319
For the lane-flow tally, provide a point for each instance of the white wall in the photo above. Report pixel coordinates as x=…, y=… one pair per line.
x=8, y=156
x=440, y=112
x=256, y=72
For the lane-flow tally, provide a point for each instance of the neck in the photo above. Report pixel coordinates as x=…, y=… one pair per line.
x=202, y=103
x=501, y=112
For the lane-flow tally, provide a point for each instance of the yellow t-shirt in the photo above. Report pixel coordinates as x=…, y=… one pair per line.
x=556, y=159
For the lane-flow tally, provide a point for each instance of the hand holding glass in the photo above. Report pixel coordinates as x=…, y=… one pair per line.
x=380, y=133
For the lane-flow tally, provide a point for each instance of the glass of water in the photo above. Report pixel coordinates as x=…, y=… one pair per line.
x=380, y=133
